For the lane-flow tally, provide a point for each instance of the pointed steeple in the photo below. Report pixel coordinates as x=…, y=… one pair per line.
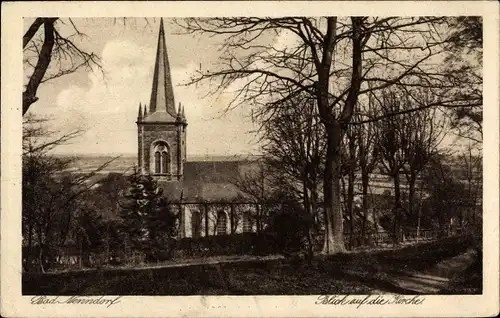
x=183, y=115
x=139, y=115
x=145, y=111
x=179, y=112
x=162, y=94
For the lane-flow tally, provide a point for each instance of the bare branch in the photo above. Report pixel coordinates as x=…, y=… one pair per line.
x=29, y=95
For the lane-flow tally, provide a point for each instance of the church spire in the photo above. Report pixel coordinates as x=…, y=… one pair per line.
x=162, y=94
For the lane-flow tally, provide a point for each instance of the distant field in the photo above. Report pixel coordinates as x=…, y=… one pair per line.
x=125, y=163
x=85, y=164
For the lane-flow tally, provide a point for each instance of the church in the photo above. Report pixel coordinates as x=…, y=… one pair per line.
x=202, y=189
x=205, y=192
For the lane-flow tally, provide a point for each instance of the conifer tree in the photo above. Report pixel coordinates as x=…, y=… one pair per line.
x=147, y=217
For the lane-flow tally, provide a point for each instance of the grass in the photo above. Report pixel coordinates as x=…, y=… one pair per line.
x=469, y=282
x=352, y=273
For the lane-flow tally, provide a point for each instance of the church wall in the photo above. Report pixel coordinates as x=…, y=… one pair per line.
x=214, y=212
x=139, y=145
x=182, y=148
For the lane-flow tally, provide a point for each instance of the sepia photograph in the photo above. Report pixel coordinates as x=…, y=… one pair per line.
x=299, y=155
x=339, y=157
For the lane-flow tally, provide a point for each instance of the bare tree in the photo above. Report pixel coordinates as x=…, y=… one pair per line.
x=407, y=143
x=422, y=135
x=465, y=45
x=472, y=169
x=293, y=147
x=50, y=192
x=391, y=139
x=368, y=157
x=448, y=194
x=255, y=187
x=52, y=55
x=350, y=166
x=466, y=35
x=39, y=140
x=352, y=51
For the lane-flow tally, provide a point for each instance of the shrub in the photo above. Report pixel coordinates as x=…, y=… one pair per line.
x=233, y=244
x=289, y=228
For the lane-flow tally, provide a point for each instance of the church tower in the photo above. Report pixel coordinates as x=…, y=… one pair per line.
x=162, y=128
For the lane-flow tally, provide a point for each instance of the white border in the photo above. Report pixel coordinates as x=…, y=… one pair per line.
x=13, y=304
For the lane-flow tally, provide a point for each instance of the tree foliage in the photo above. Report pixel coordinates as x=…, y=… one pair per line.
x=148, y=219
x=448, y=195
x=465, y=44
x=466, y=35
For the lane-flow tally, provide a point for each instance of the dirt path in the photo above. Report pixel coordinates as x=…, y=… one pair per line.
x=179, y=263
x=436, y=278
x=211, y=261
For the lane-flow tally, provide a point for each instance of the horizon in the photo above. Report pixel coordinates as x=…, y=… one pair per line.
x=67, y=154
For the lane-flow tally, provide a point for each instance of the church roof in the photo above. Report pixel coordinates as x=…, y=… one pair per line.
x=208, y=181
x=162, y=103
x=160, y=117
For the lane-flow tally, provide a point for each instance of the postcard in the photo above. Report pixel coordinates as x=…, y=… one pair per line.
x=250, y=158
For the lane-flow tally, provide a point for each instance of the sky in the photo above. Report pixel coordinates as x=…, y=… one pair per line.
x=105, y=104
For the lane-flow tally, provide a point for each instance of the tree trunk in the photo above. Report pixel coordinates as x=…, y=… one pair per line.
x=419, y=213
x=258, y=224
x=411, y=193
x=80, y=259
x=350, y=185
x=307, y=206
x=28, y=253
x=375, y=219
x=397, y=210
x=350, y=199
x=314, y=203
x=364, y=182
x=232, y=218
x=29, y=94
x=442, y=225
x=41, y=258
x=314, y=211
x=334, y=238
x=473, y=216
x=182, y=220
x=205, y=207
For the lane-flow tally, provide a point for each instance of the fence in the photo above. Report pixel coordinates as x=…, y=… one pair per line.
x=383, y=238
x=231, y=244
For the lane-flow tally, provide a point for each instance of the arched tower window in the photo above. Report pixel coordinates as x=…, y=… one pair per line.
x=161, y=158
x=221, y=223
x=157, y=162
x=165, y=162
